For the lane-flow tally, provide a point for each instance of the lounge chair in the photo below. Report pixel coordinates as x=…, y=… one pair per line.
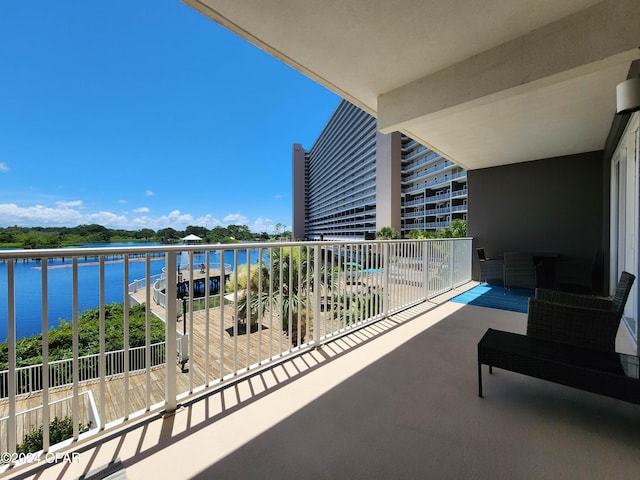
x=580, y=320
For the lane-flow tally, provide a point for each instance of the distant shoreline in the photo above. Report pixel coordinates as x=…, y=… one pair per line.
x=88, y=264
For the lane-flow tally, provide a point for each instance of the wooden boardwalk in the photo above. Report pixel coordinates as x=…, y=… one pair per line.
x=216, y=352
x=213, y=355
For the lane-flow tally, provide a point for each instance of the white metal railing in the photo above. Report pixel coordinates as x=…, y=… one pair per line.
x=141, y=283
x=459, y=193
x=435, y=225
x=29, y=379
x=299, y=295
x=32, y=419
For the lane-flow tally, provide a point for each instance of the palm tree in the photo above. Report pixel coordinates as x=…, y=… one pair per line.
x=282, y=287
x=291, y=286
x=250, y=281
x=387, y=233
x=357, y=306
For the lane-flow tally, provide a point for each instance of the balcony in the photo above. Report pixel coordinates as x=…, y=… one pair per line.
x=209, y=349
x=394, y=399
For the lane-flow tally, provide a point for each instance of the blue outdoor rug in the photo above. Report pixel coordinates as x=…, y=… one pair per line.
x=493, y=296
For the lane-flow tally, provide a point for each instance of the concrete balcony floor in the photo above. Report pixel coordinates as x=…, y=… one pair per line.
x=401, y=404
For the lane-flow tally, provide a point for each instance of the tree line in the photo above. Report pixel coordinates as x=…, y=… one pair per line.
x=55, y=237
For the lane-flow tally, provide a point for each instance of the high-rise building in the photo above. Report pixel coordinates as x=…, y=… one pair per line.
x=355, y=180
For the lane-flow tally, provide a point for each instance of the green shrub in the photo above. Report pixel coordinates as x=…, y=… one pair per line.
x=387, y=233
x=29, y=350
x=59, y=429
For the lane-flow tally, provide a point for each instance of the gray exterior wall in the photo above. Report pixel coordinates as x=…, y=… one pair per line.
x=557, y=205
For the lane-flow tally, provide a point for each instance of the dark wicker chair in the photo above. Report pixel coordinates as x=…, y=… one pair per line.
x=579, y=320
x=491, y=269
x=519, y=270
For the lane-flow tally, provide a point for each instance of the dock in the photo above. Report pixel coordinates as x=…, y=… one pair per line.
x=211, y=358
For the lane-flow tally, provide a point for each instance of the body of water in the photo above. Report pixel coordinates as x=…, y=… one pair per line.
x=28, y=280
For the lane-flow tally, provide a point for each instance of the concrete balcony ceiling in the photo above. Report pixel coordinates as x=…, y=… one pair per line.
x=483, y=83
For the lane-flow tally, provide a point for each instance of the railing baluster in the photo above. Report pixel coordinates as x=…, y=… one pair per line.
x=222, y=312
x=171, y=335
x=248, y=320
x=207, y=310
x=147, y=333
x=260, y=304
x=11, y=340
x=271, y=276
x=75, y=348
x=125, y=334
x=290, y=300
x=235, y=311
x=425, y=269
x=280, y=295
x=103, y=357
x=317, y=285
x=189, y=327
x=385, y=278
x=401, y=274
x=45, y=354
x=300, y=294
x=336, y=282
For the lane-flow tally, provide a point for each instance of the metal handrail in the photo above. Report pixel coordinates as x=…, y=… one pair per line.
x=308, y=293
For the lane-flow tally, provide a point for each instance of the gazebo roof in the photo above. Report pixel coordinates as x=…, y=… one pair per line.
x=191, y=238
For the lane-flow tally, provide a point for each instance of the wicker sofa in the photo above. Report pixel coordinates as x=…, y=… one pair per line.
x=579, y=320
x=570, y=340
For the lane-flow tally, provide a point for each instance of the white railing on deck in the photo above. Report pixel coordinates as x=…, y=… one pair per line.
x=29, y=379
x=303, y=294
x=140, y=283
x=32, y=419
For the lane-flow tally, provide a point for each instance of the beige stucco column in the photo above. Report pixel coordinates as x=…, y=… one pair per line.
x=298, y=192
x=388, y=180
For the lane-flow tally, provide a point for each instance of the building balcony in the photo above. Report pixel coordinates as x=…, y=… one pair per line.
x=459, y=193
x=429, y=157
x=413, y=224
x=395, y=399
x=419, y=214
x=438, y=197
x=429, y=171
x=437, y=225
x=459, y=208
x=207, y=348
x=438, y=211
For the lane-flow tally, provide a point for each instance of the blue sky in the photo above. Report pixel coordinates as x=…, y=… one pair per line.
x=145, y=114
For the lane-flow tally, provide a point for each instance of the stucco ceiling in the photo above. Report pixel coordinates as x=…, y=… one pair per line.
x=484, y=83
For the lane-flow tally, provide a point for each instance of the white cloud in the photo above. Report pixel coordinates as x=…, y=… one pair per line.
x=72, y=213
x=174, y=219
x=260, y=225
x=4, y=167
x=122, y=201
x=69, y=204
x=141, y=210
x=12, y=214
x=107, y=219
x=236, y=219
x=149, y=193
x=63, y=214
x=277, y=196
